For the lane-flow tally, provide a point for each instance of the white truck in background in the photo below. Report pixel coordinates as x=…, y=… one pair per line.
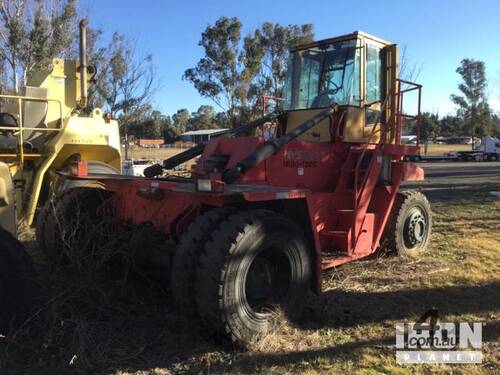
x=488, y=149
x=135, y=167
x=491, y=148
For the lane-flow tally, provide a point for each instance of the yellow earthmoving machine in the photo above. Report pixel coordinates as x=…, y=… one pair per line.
x=47, y=128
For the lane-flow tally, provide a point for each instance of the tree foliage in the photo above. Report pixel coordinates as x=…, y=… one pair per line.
x=235, y=73
x=203, y=118
x=32, y=33
x=127, y=82
x=429, y=126
x=154, y=126
x=181, y=120
x=409, y=70
x=450, y=126
x=473, y=107
x=270, y=45
x=495, y=125
x=220, y=75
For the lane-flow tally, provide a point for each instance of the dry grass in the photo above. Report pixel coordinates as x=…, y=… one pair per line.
x=164, y=153
x=433, y=149
x=124, y=327
x=157, y=155
x=154, y=153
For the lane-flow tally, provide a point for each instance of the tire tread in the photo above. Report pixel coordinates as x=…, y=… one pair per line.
x=22, y=289
x=389, y=238
x=185, y=259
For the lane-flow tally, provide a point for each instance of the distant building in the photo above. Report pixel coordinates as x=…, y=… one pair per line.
x=150, y=143
x=199, y=136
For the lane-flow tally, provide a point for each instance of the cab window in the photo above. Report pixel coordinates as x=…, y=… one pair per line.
x=323, y=74
x=309, y=71
x=373, y=74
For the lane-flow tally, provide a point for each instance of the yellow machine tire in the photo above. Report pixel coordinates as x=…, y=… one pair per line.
x=19, y=289
x=75, y=221
x=45, y=234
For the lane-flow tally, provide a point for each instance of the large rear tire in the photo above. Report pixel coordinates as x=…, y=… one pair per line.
x=408, y=230
x=256, y=263
x=76, y=220
x=186, y=259
x=67, y=184
x=19, y=289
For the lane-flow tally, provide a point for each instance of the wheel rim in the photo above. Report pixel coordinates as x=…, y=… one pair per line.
x=415, y=228
x=266, y=285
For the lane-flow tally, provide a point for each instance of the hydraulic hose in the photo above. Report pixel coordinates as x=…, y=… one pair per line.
x=268, y=149
x=174, y=161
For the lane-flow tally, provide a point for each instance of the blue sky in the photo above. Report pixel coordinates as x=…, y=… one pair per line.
x=437, y=35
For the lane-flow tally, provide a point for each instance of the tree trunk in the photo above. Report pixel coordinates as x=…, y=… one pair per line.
x=15, y=82
x=472, y=125
x=25, y=76
x=125, y=132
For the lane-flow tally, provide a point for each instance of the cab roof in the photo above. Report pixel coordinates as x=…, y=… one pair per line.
x=353, y=35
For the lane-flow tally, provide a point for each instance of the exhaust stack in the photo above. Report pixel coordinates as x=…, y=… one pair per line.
x=83, y=63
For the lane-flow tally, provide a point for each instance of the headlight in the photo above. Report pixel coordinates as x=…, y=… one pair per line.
x=204, y=185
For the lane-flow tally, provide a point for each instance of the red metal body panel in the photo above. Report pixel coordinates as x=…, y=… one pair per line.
x=340, y=185
x=313, y=165
x=343, y=229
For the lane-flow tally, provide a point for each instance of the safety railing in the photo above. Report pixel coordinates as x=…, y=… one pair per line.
x=396, y=121
x=405, y=87
x=261, y=106
x=390, y=130
x=18, y=130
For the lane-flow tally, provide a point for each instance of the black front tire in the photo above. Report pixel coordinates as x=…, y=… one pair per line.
x=186, y=256
x=256, y=263
x=409, y=227
x=19, y=289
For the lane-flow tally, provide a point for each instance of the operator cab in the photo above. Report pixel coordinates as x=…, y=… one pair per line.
x=356, y=71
